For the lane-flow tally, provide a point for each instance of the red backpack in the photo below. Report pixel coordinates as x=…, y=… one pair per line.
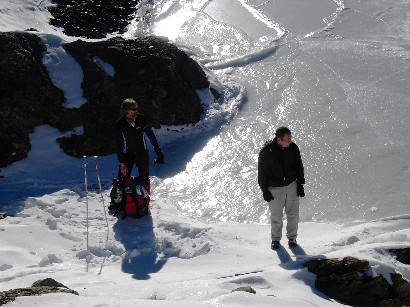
x=129, y=196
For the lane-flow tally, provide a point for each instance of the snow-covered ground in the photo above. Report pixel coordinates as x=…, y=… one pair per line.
x=336, y=72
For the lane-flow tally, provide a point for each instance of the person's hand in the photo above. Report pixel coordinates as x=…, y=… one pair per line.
x=300, y=191
x=267, y=196
x=123, y=169
x=160, y=158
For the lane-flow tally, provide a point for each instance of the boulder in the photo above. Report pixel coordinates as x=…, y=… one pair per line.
x=328, y=267
x=346, y=281
x=47, y=282
x=39, y=287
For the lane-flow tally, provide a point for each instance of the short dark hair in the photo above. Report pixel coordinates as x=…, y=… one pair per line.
x=281, y=131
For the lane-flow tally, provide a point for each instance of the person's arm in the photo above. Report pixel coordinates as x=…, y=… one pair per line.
x=120, y=145
x=120, y=148
x=300, y=190
x=262, y=175
x=151, y=136
x=300, y=168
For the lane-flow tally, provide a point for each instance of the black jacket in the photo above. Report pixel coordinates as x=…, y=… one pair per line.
x=131, y=139
x=279, y=166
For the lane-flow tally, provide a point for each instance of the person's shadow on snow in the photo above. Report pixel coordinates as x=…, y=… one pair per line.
x=295, y=263
x=141, y=247
x=283, y=255
x=287, y=261
x=298, y=251
x=302, y=272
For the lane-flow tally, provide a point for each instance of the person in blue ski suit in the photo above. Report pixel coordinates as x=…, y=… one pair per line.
x=131, y=147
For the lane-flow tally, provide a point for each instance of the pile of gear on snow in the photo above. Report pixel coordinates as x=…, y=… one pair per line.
x=130, y=197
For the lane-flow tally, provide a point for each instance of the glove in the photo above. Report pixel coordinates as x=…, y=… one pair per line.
x=267, y=196
x=300, y=191
x=160, y=158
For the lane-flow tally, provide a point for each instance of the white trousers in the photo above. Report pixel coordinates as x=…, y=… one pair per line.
x=284, y=198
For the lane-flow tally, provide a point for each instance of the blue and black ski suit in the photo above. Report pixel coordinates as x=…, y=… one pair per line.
x=131, y=147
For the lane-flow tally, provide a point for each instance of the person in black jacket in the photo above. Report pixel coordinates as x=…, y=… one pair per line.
x=281, y=178
x=131, y=147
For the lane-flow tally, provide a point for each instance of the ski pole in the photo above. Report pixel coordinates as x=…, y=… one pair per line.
x=102, y=196
x=86, y=195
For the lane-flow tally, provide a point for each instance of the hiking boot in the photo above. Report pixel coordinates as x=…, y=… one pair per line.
x=292, y=243
x=275, y=245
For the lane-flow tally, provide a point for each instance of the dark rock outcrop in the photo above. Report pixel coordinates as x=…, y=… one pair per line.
x=346, y=280
x=402, y=255
x=27, y=96
x=162, y=78
x=92, y=18
x=39, y=287
x=401, y=289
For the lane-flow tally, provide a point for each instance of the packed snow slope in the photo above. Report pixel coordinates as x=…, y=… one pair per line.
x=336, y=72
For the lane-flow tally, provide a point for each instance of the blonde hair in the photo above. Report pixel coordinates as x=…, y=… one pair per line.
x=128, y=104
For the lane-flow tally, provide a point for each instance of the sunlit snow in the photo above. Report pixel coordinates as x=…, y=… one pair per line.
x=336, y=72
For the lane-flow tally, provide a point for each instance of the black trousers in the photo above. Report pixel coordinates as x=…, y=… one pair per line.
x=141, y=160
